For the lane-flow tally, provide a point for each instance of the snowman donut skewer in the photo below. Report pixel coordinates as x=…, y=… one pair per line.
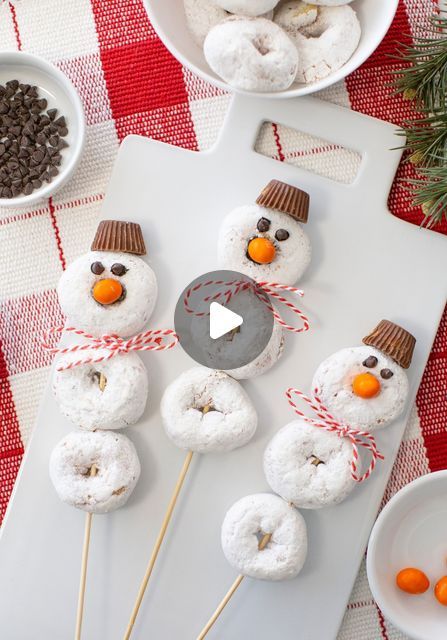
x=203, y=411
x=264, y=241
x=314, y=462
x=100, y=384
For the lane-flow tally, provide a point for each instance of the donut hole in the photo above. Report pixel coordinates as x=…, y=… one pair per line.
x=207, y=408
x=315, y=460
x=262, y=45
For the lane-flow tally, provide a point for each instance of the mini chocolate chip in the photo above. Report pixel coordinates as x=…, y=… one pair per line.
x=24, y=87
x=4, y=108
x=53, y=141
x=33, y=92
x=281, y=235
x=41, y=138
x=62, y=144
x=63, y=131
x=263, y=225
x=386, y=374
x=97, y=268
x=370, y=362
x=13, y=84
x=51, y=113
x=29, y=188
x=53, y=171
x=60, y=122
x=2, y=148
x=7, y=193
x=42, y=104
x=36, y=184
x=118, y=269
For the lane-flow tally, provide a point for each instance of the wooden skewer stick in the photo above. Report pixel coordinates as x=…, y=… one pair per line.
x=84, y=561
x=158, y=544
x=102, y=381
x=262, y=544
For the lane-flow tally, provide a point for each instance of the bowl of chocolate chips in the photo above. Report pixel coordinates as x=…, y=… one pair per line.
x=42, y=129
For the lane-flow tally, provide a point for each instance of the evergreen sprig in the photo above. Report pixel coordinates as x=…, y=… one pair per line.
x=424, y=80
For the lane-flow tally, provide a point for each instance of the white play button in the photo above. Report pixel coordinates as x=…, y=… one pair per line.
x=222, y=320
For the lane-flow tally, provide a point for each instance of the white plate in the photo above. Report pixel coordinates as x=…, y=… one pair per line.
x=411, y=531
x=61, y=95
x=168, y=18
x=367, y=265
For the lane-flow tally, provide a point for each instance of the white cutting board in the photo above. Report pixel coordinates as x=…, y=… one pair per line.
x=367, y=265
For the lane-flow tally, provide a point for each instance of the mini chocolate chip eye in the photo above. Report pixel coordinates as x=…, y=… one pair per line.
x=263, y=224
x=370, y=362
x=282, y=234
x=97, y=268
x=118, y=269
x=386, y=374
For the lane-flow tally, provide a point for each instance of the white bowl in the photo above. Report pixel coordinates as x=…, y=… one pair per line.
x=168, y=19
x=60, y=94
x=411, y=531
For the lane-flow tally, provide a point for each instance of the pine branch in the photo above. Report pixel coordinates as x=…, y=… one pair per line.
x=430, y=192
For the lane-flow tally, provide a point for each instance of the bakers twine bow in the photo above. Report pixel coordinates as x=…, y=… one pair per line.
x=148, y=341
x=327, y=421
x=233, y=287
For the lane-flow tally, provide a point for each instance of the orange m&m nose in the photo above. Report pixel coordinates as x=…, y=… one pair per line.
x=107, y=291
x=366, y=385
x=261, y=250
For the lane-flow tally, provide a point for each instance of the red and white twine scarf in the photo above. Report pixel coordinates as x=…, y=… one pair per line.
x=329, y=423
x=153, y=340
x=261, y=289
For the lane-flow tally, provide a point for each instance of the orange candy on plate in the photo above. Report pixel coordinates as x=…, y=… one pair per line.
x=414, y=581
x=441, y=591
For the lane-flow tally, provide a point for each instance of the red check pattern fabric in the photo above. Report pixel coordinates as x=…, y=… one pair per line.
x=129, y=83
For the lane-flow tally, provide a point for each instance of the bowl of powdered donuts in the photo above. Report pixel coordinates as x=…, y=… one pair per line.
x=272, y=48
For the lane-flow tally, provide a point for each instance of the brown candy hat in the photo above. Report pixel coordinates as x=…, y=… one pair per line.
x=393, y=340
x=120, y=237
x=286, y=198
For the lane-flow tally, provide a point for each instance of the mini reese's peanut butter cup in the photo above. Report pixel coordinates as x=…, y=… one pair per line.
x=393, y=340
x=120, y=237
x=286, y=198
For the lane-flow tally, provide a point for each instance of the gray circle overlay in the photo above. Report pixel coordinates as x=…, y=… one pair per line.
x=234, y=349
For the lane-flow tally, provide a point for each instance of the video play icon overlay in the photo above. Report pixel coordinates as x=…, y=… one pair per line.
x=223, y=320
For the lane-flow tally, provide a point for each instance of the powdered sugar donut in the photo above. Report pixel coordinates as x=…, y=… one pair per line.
x=295, y=15
x=335, y=378
x=252, y=54
x=309, y=466
x=201, y=17
x=246, y=523
x=291, y=251
x=127, y=315
x=327, y=44
x=205, y=410
x=117, y=470
x=113, y=401
x=246, y=7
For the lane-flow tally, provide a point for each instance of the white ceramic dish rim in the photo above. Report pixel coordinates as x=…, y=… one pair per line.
x=31, y=60
x=348, y=68
x=374, y=541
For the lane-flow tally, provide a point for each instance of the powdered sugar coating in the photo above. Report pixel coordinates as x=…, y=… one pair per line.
x=251, y=517
x=124, y=317
x=201, y=17
x=327, y=44
x=309, y=466
x=292, y=256
x=295, y=15
x=81, y=400
x=334, y=378
x=246, y=7
x=118, y=470
x=252, y=54
x=230, y=423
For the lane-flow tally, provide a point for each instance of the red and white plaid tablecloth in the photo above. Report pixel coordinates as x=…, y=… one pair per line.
x=129, y=83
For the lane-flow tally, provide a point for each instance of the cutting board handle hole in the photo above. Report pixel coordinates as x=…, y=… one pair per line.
x=321, y=157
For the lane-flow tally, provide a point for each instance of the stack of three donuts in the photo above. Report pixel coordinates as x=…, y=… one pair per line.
x=109, y=290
